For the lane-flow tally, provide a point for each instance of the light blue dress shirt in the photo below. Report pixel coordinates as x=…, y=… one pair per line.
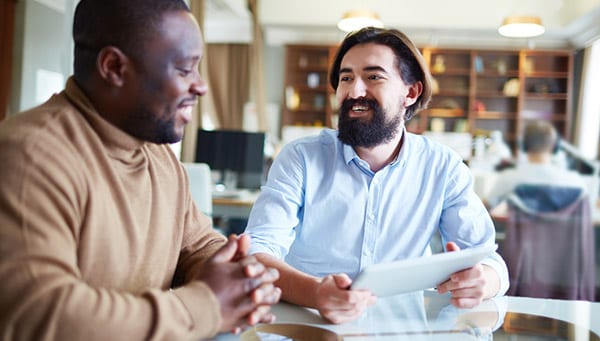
x=324, y=211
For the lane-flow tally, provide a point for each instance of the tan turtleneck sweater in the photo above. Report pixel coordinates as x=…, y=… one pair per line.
x=93, y=226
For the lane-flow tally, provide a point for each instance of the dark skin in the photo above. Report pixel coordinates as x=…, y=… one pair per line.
x=242, y=284
x=151, y=97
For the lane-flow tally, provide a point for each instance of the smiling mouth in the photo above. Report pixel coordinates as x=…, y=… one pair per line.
x=185, y=113
x=359, y=109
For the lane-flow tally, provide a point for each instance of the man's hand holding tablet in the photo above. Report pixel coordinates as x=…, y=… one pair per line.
x=458, y=271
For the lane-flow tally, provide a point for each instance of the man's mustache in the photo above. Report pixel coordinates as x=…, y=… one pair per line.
x=348, y=103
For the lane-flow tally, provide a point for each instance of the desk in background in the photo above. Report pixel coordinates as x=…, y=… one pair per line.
x=429, y=316
x=232, y=209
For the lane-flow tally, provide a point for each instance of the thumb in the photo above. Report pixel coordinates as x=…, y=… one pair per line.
x=452, y=246
x=226, y=253
x=342, y=281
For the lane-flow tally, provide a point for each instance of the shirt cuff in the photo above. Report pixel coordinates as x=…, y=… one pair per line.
x=495, y=262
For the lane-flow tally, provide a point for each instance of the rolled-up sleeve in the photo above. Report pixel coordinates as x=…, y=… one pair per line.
x=276, y=212
x=466, y=221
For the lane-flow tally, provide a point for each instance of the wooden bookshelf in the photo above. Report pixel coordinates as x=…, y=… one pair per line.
x=307, y=94
x=476, y=90
x=499, y=90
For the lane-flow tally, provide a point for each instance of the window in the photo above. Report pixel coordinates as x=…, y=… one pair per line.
x=588, y=123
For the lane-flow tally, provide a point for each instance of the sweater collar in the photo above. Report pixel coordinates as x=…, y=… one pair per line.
x=119, y=143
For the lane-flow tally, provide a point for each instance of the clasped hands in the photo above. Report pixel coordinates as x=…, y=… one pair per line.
x=244, y=286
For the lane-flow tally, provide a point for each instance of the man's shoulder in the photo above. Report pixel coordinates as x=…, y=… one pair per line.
x=42, y=134
x=47, y=120
x=430, y=149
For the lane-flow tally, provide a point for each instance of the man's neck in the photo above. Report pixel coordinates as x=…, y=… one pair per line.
x=381, y=155
x=539, y=158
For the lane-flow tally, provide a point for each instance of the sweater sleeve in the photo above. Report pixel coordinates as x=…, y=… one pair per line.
x=43, y=293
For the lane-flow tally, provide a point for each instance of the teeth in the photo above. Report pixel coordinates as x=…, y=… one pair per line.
x=358, y=107
x=186, y=113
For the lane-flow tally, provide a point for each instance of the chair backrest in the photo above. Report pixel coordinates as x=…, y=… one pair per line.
x=200, y=186
x=549, y=246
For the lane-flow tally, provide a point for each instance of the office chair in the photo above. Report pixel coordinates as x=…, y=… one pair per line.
x=200, y=186
x=549, y=245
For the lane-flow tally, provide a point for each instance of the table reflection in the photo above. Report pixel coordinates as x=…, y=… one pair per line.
x=430, y=316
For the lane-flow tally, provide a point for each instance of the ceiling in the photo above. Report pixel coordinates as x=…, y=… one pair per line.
x=457, y=23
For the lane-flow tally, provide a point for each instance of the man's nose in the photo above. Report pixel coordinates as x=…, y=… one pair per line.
x=198, y=86
x=358, y=89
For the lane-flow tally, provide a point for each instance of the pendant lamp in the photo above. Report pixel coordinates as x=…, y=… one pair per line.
x=521, y=27
x=356, y=19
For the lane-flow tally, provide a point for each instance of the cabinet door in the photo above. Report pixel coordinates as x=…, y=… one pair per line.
x=546, y=92
x=306, y=94
x=496, y=89
x=449, y=106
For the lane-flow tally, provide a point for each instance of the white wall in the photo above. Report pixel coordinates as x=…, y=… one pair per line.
x=42, y=42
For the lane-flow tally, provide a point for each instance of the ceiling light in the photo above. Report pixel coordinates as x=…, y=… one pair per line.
x=521, y=27
x=357, y=19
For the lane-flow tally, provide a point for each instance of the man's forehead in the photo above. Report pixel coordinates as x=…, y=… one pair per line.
x=369, y=56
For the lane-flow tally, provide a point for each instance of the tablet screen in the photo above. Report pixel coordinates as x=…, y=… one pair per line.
x=418, y=273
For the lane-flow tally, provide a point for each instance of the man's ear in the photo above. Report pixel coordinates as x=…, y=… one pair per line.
x=112, y=64
x=414, y=91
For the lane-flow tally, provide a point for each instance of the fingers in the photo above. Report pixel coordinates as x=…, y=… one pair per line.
x=466, y=287
x=225, y=253
x=270, y=275
x=260, y=291
x=252, y=267
x=243, y=244
x=452, y=246
x=341, y=315
x=258, y=305
x=242, y=285
x=465, y=302
x=266, y=294
x=333, y=291
x=262, y=314
x=342, y=281
x=338, y=304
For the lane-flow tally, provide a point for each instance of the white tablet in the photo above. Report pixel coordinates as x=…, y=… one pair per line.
x=418, y=273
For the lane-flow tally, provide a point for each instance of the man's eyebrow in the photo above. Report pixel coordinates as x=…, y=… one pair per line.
x=375, y=68
x=189, y=58
x=368, y=68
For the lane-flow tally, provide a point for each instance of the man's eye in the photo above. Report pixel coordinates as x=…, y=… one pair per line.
x=344, y=79
x=184, y=72
x=375, y=77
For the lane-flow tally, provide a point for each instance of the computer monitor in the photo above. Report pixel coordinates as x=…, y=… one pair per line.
x=236, y=151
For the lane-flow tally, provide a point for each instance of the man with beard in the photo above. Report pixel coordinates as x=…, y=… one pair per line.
x=99, y=236
x=370, y=192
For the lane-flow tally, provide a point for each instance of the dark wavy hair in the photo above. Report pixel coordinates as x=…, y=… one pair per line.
x=410, y=62
x=125, y=24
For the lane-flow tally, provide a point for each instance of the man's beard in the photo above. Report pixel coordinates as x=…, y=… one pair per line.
x=359, y=132
x=148, y=126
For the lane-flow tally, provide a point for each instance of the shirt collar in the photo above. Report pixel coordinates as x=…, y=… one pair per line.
x=350, y=153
